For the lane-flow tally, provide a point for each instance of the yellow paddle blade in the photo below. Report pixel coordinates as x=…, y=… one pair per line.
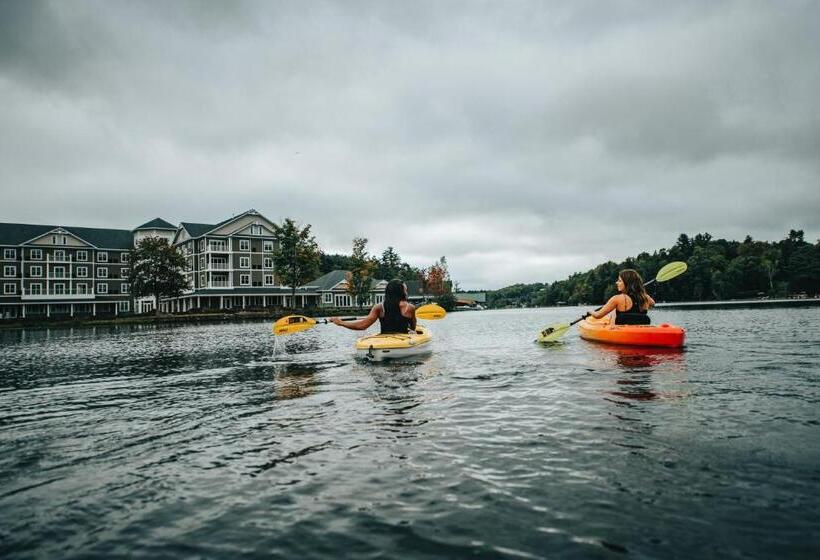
x=292, y=324
x=671, y=270
x=553, y=332
x=430, y=312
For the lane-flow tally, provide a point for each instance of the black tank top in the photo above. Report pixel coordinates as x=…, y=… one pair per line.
x=632, y=316
x=393, y=322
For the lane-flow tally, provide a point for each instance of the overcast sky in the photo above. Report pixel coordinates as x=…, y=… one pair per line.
x=523, y=140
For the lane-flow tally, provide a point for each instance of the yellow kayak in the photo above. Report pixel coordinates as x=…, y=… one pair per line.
x=379, y=347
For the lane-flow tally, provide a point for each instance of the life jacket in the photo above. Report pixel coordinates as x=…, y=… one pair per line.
x=632, y=316
x=393, y=321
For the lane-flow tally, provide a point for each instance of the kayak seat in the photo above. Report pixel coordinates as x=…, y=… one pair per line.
x=632, y=319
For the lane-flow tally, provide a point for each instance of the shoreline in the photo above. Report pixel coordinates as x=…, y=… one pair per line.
x=176, y=319
x=274, y=314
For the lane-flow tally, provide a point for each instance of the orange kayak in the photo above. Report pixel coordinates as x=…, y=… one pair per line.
x=603, y=330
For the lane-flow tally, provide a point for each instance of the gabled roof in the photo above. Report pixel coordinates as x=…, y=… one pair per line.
x=197, y=230
x=329, y=280
x=157, y=223
x=17, y=234
x=104, y=238
x=332, y=279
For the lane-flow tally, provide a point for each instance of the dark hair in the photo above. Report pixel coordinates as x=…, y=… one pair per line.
x=393, y=295
x=633, y=287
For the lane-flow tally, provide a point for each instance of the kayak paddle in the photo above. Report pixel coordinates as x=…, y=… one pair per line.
x=290, y=324
x=430, y=312
x=296, y=323
x=667, y=272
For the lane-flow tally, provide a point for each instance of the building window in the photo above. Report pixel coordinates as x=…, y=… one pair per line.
x=9, y=254
x=256, y=230
x=267, y=246
x=268, y=279
x=82, y=255
x=244, y=245
x=59, y=255
x=62, y=240
x=102, y=272
x=202, y=243
x=58, y=289
x=102, y=256
x=328, y=298
x=268, y=262
x=9, y=271
x=36, y=271
x=82, y=288
x=59, y=272
x=102, y=288
x=36, y=254
x=35, y=289
x=244, y=279
x=82, y=272
x=124, y=288
x=123, y=257
x=244, y=262
x=124, y=272
x=9, y=289
x=123, y=306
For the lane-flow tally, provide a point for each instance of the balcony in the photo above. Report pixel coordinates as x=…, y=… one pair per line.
x=218, y=247
x=73, y=295
x=219, y=266
x=219, y=284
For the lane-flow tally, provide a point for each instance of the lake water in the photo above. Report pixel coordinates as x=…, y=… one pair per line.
x=199, y=441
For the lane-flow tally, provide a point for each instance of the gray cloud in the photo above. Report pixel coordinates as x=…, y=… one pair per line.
x=523, y=141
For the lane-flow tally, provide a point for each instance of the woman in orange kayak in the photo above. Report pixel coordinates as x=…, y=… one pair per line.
x=630, y=304
x=395, y=314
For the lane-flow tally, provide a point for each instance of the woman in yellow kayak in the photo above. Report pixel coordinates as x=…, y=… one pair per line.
x=630, y=304
x=395, y=314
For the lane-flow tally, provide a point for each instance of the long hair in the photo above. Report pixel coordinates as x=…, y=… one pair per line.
x=393, y=295
x=633, y=287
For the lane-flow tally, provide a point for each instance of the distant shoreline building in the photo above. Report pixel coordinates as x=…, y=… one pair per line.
x=66, y=271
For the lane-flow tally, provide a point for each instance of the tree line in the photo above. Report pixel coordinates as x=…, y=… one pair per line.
x=718, y=270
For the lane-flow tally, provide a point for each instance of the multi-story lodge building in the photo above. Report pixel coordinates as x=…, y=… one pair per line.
x=62, y=271
x=66, y=271
x=230, y=266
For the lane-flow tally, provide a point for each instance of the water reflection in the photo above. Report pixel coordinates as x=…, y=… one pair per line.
x=642, y=370
x=294, y=380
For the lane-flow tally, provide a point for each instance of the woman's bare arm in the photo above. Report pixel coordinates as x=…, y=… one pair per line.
x=359, y=324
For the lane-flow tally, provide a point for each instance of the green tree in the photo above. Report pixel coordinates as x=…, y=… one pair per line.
x=296, y=257
x=390, y=264
x=447, y=301
x=157, y=270
x=804, y=269
x=360, y=277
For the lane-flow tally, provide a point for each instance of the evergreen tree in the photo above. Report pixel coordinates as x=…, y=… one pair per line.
x=157, y=270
